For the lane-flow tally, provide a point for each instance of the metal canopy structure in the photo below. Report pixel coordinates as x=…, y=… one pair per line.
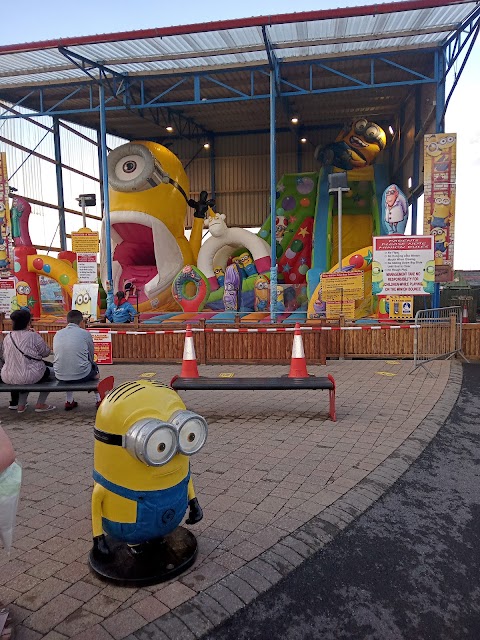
x=213, y=78
x=224, y=78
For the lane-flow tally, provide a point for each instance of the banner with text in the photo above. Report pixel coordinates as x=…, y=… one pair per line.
x=7, y=293
x=87, y=267
x=342, y=284
x=102, y=343
x=403, y=265
x=440, y=157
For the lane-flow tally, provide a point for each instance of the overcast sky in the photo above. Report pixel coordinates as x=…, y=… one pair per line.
x=50, y=19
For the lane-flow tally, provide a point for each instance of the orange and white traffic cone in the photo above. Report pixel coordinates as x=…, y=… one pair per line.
x=465, y=315
x=189, y=363
x=298, y=365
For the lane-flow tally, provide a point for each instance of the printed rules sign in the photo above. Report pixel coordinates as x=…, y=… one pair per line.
x=403, y=265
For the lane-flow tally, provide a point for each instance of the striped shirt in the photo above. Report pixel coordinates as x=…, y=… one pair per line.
x=18, y=369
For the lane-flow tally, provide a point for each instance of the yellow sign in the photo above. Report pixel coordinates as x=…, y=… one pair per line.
x=85, y=241
x=341, y=284
x=400, y=307
x=440, y=159
x=336, y=309
x=226, y=375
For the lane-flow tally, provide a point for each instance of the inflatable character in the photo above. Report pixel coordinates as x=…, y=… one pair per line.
x=395, y=208
x=356, y=146
x=232, y=287
x=261, y=290
x=244, y=260
x=377, y=278
x=148, y=200
x=281, y=225
x=280, y=299
x=144, y=437
x=219, y=275
x=226, y=238
x=428, y=282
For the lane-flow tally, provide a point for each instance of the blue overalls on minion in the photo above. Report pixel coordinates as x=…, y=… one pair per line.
x=376, y=288
x=158, y=512
x=439, y=222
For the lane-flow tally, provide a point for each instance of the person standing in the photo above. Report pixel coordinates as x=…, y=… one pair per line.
x=23, y=350
x=74, y=355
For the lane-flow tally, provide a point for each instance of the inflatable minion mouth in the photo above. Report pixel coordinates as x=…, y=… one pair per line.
x=148, y=199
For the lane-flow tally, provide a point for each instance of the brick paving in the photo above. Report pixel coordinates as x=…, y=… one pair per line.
x=277, y=480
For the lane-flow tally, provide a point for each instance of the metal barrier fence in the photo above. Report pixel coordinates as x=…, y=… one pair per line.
x=438, y=334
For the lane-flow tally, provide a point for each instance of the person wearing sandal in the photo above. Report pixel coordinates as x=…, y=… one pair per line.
x=23, y=350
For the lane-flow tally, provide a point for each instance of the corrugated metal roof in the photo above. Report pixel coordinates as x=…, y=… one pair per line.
x=353, y=30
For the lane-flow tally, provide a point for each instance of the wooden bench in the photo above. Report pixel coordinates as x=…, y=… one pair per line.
x=102, y=386
x=258, y=384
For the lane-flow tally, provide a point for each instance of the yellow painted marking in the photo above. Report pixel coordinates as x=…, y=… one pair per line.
x=226, y=375
x=392, y=362
x=147, y=375
x=386, y=373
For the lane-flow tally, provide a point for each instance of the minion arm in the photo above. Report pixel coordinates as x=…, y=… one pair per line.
x=97, y=500
x=195, y=513
x=202, y=209
x=191, y=490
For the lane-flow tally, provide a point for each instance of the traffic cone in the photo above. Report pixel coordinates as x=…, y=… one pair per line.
x=189, y=363
x=465, y=315
x=298, y=365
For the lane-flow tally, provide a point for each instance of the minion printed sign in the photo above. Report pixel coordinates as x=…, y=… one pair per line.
x=440, y=154
x=84, y=299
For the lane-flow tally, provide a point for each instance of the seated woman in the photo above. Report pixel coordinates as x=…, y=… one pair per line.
x=23, y=350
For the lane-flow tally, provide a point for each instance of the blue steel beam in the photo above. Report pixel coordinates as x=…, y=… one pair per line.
x=197, y=98
x=59, y=176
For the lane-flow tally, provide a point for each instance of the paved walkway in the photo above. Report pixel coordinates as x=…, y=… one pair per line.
x=407, y=569
x=275, y=475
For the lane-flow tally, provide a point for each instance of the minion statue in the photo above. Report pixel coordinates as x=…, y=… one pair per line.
x=144, y=437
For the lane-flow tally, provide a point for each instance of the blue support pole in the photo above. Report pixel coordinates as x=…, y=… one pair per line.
x=273, y=198
x=416, y=158
x=104, y=178
x=59, y=175
x=212, y=167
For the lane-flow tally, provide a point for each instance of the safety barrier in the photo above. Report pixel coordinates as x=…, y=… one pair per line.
x=268, y=344
x=438, y=334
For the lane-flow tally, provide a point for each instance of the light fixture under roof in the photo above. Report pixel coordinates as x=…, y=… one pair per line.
x=169, y=128
x=391, y=129
x=206, y=145
x=294, y=120
x=303, y=140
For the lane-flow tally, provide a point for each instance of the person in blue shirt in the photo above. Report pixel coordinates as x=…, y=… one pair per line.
x=120, y=310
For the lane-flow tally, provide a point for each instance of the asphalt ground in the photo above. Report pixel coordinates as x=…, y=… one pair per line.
x=408, y=568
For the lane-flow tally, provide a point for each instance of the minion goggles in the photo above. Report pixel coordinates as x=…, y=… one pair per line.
x=155, y=442
x=138, y=162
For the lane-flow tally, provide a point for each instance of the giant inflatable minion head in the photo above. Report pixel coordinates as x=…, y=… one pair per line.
x=144, y=437
x=149, y=193
x=356, y=146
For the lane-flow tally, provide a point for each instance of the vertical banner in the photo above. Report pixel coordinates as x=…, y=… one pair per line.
x=4, y=218
x=440, y=158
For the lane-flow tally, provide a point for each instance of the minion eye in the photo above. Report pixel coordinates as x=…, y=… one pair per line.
x=443, y=140
x=192, y=431
x=446, y=201
x=132, y=167
x=79, y=299
x=361, y=125
x=450, y=139
x=432, y=147
x=152, y=442
x=376, y=270
x=430, y=269
x=86, y=298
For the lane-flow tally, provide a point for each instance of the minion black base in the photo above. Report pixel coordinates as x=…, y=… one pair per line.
x=153, y=562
